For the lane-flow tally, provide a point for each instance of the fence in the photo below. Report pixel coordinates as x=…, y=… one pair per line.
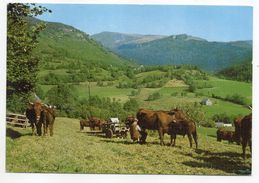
x=17, y=120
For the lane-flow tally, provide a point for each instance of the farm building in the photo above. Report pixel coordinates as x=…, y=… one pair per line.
x=221, y=124
x=206, y=101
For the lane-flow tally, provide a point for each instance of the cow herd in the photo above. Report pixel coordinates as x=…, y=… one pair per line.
x=173, y=122
x=176, y=122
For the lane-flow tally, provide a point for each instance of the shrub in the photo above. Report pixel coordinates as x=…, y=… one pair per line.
x=154, y=96
x=131, y=105
x=236, y=98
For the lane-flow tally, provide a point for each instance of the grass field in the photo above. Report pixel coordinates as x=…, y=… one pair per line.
x=72, y=151
x=222, y=88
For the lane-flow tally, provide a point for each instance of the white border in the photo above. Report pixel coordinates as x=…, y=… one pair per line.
x=68, y=178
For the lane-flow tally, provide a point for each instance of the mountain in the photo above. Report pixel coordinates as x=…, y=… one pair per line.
x=61, y=45
x=178, y=49
x=113, y=39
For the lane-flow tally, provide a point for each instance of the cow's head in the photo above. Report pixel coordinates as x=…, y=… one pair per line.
x=37, y=108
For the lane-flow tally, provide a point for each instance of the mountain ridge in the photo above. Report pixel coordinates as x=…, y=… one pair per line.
x=179, y=49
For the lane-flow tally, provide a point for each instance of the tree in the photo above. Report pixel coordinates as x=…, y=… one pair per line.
x=62, y=96
x=22, y=66
x=131, y=105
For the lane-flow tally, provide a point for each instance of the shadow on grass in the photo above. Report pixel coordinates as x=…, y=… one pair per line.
x=13, y=134
x=118, y=142
x=229, y=162
x=214, y=136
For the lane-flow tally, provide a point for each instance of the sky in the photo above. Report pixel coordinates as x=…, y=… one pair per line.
x=214, y=23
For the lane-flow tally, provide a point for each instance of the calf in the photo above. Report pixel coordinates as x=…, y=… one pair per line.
x=96, y=122
x=223, y=134
x=84, y=123
x=183, y=127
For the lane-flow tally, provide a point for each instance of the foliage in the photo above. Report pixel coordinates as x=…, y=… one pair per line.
x=22, y=66
x=223, y=117
x=17, y=103
x=131, y=105
x=154, y=96
x=63, y=97
x=235, y=98
x=241, y=72
x=193, y=111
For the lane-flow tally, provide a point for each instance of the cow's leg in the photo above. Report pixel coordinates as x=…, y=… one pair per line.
x=161, y=136
x=190, y=139
x=244, y=144
x=47, y=129
x=33, y=128
x=81, y=127
x=51, y=129
x=195, y=137
x=44, y=128
x=38, y=127
x=171, y=141
x=173, y=137
x=143, y=137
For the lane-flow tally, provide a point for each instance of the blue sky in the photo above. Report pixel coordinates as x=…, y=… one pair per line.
x=214, y=23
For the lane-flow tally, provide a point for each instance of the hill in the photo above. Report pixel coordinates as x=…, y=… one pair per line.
x=239, y=72
x=113, y=39
x=180, y=49
x=60, y=45
x=72, y=151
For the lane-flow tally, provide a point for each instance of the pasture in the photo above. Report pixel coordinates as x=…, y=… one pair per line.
x=72, y=151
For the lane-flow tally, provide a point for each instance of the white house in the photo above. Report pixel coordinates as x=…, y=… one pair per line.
x=206, y=101
x=221, y=124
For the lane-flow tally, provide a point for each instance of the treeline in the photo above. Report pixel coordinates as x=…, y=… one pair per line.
x=242, y=72
x=64, y=97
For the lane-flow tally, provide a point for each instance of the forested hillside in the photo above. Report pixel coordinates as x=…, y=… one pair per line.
x=181, y=49
x=239, y=72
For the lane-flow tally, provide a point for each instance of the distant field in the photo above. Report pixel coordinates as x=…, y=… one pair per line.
x=71, y=151
x=222, y=87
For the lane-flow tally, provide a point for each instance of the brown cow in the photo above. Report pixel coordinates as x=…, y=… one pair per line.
x=237, y=124
x=48, y=122
x=40, y=114
x=96, y=122
x=246, y=133
x=84, y=123
x=183, y=127
x=154, y=120
x=223, y=134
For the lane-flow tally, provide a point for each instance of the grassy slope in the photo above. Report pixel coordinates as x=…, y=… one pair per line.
x=70, y=151
x=224, y=87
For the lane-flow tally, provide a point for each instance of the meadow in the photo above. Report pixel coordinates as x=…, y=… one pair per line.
x=72, y=151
